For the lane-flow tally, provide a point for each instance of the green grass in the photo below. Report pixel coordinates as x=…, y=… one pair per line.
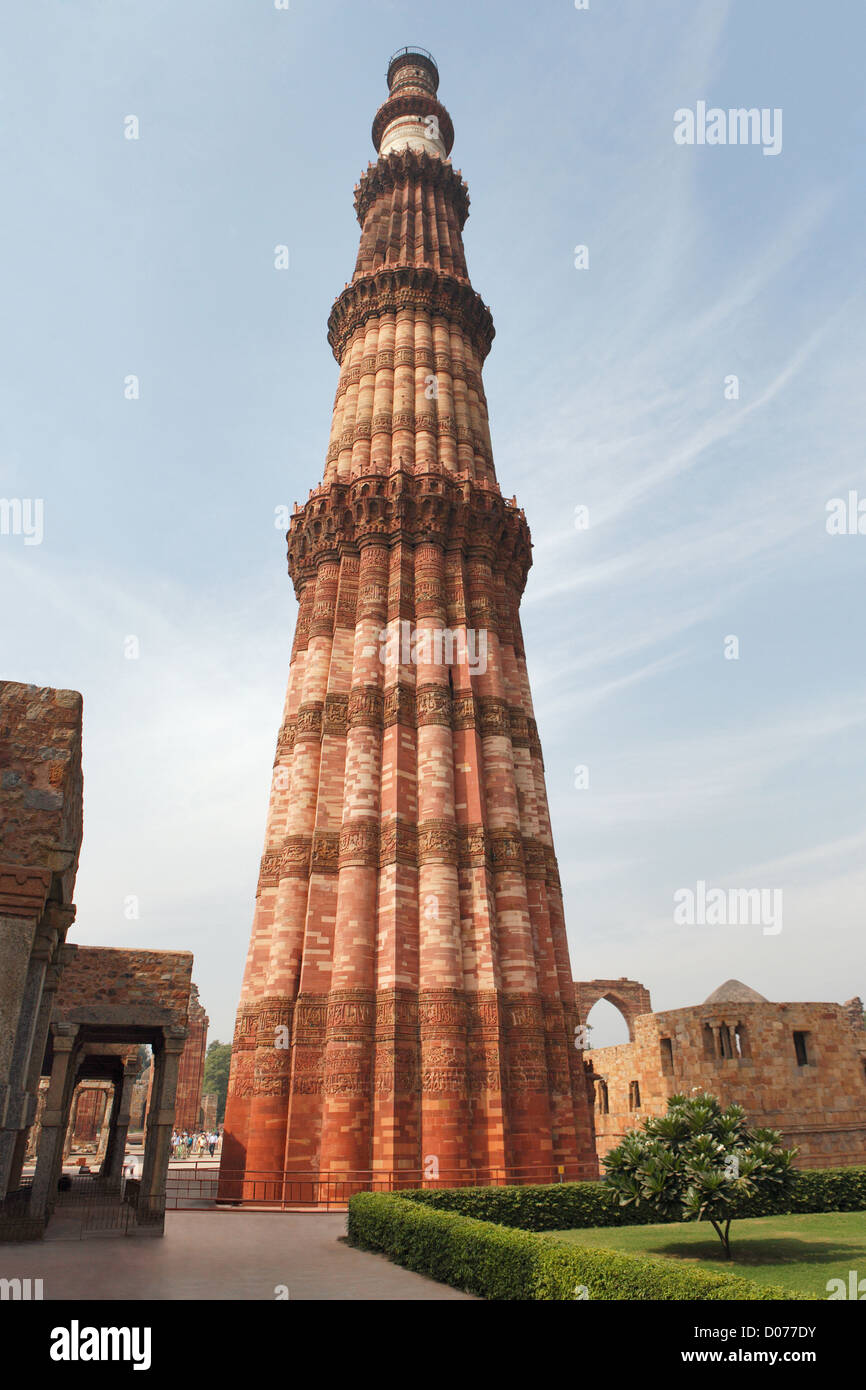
x=796, y=1252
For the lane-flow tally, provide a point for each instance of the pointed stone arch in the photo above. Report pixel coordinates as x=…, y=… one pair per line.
x=629, y=996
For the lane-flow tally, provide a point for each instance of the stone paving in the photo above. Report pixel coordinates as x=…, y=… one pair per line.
x=220, y=1255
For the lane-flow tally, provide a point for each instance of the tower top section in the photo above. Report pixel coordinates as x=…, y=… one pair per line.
x=413, y=118
x=417, y=61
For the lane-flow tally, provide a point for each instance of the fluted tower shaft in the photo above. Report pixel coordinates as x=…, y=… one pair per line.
x=408, y=995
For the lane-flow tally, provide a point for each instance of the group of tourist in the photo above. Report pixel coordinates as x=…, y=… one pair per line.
x=196, y=1145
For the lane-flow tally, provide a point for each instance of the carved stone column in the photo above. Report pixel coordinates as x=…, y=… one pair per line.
x=50, y=983
x=55, y=1119
x=160, y=1123
x=113, y=1165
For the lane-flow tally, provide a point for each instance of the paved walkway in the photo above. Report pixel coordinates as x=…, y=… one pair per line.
x=220, y=1255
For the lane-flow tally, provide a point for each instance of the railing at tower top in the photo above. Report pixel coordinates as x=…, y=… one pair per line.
x=412, y=48
x=197, y=1187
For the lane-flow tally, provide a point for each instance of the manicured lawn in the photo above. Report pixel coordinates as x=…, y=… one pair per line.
x=799, y=1253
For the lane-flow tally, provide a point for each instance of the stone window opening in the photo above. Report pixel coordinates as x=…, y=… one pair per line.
x=725, y=1045
x=633, y=1095
x=709, y=1044
x=666, y=1048
x=801, y=1049
x=741, y=1041
x=602, y=1099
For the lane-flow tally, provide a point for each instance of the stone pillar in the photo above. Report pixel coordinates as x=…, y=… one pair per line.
x=73, y=1121
x=160, y=1123
x=15, y=1118
x=106, y=1142
x=140, y=1098
x=26, y=1152
x=22, y=969
x=37, y=1056
x=113, y=1166
x=93, y=1116
x=54, y=1120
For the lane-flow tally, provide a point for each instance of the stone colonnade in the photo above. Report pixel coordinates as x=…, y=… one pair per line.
x=70, y=1057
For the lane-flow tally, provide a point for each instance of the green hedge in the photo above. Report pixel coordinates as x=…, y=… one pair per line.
x=573, y=1206
x=496, y=1263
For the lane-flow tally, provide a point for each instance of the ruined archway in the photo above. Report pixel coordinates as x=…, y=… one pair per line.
x=629, y=996
x=606, y=1025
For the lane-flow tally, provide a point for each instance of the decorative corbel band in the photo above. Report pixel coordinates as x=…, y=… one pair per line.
x=23, y=891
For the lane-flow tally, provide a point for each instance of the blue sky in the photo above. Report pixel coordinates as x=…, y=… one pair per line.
x=606, y=390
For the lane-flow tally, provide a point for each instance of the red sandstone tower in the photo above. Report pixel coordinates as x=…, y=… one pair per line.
x=190, y=1073
x=408, y=992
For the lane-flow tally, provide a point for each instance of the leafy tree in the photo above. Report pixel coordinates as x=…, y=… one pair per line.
x=697, y=1161
x=216, y=1074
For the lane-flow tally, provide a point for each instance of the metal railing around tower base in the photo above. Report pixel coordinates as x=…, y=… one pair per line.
x=197, y=1187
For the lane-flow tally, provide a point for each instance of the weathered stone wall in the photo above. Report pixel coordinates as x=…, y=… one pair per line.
x=40, y=829
x=40, y=779
x=820, y=1107
x=41, y=793
x=103, y=985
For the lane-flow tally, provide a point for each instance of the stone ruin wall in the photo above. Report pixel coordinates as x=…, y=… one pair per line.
x=820, y=1107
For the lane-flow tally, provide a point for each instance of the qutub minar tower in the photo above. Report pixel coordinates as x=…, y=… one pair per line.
x=407, y=1000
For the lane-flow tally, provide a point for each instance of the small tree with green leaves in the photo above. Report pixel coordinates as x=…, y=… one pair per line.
x=697, y=1162
x=217, y=1063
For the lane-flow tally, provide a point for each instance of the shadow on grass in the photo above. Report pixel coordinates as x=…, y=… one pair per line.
x=786, y=1250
